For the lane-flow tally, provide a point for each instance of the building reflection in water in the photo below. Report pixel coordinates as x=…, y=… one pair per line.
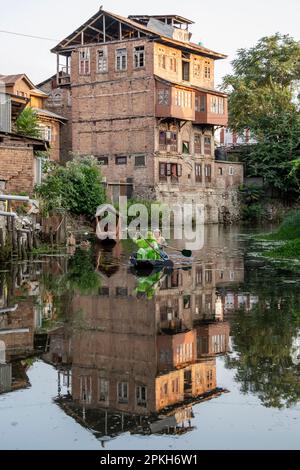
x=25, y=306
x=135, y=356
x=144, y=350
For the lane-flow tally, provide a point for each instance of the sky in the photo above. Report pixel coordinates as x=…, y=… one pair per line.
x=222, y=25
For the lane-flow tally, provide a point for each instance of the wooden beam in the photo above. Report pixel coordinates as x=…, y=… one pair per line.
x=57, y=69
x=104, y=28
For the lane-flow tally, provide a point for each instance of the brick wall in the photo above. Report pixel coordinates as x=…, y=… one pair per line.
x=59, y=102
x=17, y=168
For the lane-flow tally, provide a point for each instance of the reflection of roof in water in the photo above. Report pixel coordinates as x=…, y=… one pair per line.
x=111, y=423
x=108, y=269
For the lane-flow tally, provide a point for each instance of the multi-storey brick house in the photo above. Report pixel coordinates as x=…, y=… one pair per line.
x=144, y=103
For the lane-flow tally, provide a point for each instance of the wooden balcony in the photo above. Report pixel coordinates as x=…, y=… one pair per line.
x=187, y=104
x=211, y=109
x=173, y=102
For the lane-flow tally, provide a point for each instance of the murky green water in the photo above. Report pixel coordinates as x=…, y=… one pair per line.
x=204, y=357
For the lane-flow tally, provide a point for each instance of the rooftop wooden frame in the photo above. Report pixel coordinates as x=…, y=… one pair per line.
x=105, y=27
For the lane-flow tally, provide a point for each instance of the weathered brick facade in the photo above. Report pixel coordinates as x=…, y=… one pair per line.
x=144, y=103
x=17, y=168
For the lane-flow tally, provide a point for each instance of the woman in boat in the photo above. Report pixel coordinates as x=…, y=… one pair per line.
x=148, y=247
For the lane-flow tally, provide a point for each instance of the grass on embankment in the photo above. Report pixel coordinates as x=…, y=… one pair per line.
x=288, y=232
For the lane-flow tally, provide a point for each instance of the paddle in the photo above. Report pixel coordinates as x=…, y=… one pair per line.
x=168, y=263
x=185, y=253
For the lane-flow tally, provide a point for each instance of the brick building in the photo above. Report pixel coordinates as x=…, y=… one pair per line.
x=143, y=102
x=20, y=168
x=20, y=92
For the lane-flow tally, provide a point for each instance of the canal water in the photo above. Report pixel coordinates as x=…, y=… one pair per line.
x=207, y=356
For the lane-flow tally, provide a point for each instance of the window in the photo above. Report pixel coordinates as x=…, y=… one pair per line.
x=103, y=160
x=162, y=61
x=199, y=275
x=103, y=390
x=197, y=68
x=121, y=292
x=173, y=64
x=198, y=172
x=186, y=302
x=168, y=138
x=140, y=160
x=175, y=386
x=102, y=63
x=197, y=144
x=207, y=70
x=121, y=60
x=220, y=171
x=185, y=147
x=164, y=390
x=123, y=393
x=86, y=389
x=139, y=57
x=172, y=170
x=214, y=104
x=208, y=173
x=104, y=291
x=231, y=171
x=163, y=96
x=185, y=71
x=46, y=133
x=208, y=276
x=207, y=145
x=141, y=395
x=200, y=103
x=183, y=98
x=121, y=160
x=84, y=61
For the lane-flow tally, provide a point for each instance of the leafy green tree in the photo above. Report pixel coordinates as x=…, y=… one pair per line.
x=263, y=98
x=263, y=339
x=27, y=124
x=76, y=188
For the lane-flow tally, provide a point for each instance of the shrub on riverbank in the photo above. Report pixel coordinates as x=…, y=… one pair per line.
x=77, y=188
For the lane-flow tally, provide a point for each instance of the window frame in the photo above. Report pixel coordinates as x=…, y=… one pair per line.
x=120, y=55
x=140, y=165
x=198, y=173
x=84, y=61
x=138, y=53
x=118, y=158
x=104, y=61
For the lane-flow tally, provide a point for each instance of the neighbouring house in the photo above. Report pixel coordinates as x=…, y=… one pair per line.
x=22, y=93
x=228, y=138
x=59, y=102
x=142, y=100
x=20, y=167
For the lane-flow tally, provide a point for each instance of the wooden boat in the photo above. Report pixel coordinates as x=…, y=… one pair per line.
x=150, y=265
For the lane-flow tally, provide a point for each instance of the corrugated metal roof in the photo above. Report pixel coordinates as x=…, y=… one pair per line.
x=47, y=113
